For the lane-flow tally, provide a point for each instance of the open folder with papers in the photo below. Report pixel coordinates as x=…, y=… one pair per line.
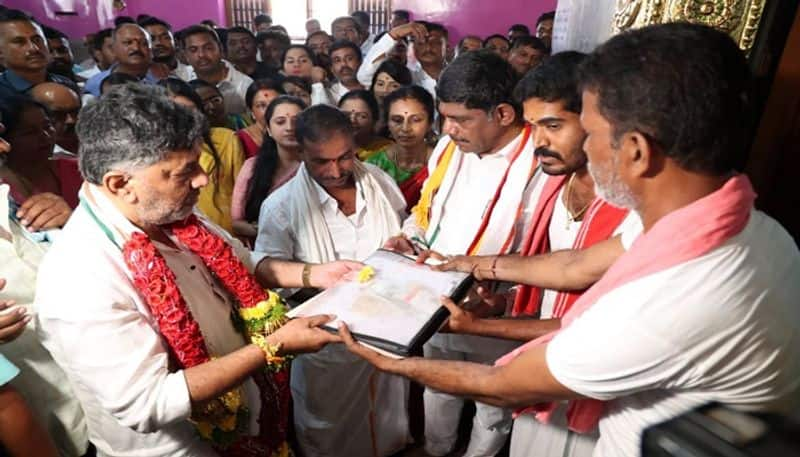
x=397, y=310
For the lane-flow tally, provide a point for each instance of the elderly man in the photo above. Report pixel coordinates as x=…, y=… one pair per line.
x=63, y=105
x=131, y=45
x=151, y=360
x=203, y=51
x=164, y=52
x=337, y=208
x=484, y=183
x=24, y=54
x=312, y=26
x=677, y=321
x=367, y=37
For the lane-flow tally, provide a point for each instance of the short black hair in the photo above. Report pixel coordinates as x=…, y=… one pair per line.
x=53, y=34
x=319, y=123
x=402, y=13
x=479, y=80
x=366, y=97
x=302, y=83
x=152, y=20
x=548, y=16
x=11, y=15
x=531, y=41
x=686, y=87
x=282, y=38
x=362, y=16
x=436, y=27
x=197, y=30
x=100, y=38
x=342, y=44
x=318, y=32
x=520, y=28
x=120, y=20
x=496, y=35
x=275, y=84
x=239, y=29
x=409, y=93
x=555, y=79
x=262, y=19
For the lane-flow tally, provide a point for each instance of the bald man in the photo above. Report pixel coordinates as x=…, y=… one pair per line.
x=63, y=104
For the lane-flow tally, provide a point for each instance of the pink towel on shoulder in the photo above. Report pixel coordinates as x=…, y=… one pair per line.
x=701, y=227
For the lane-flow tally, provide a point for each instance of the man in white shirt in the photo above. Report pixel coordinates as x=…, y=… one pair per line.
x=123, y=358
x=430, y=45
x=483, y=185
x=164, y=51
x=203, y=51
x=337, y=208
x=702, y=305
x=367, y=37
x=345, y=61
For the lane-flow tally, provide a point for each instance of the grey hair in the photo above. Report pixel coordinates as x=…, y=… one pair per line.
x=133, y=126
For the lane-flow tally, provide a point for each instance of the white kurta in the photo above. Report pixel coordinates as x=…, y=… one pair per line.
x=94, y=322
x=459, y=211
x=43, y=384
x=342, y=405
x=721, y=327
x=378, y=53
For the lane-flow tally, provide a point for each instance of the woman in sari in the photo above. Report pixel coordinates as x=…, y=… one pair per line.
x=361, y=107
x=258, y=96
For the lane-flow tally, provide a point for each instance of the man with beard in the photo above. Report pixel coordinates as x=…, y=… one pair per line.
x=131, y=45
x=271, y=46
x=337, y=207
x=544, y=28
x=164, y=52
x=430, y=43
x=345, y=61
x=526, y=53
x=62, y=62
x=701, y=307
x=203, y=51
x=23, y=51
x=241, y=51
x=483, y=185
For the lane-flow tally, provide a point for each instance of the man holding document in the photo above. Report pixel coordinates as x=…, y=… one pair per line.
x=337, y=208
x=702, y=306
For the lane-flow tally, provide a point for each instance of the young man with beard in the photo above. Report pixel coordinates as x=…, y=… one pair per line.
x=131, y=45
x=241, y=51
x=62, y=62
x=701, y=307
x=345, y=61
x=203, y=51
x=483, y=185
x=430, y=44
x=164, y=52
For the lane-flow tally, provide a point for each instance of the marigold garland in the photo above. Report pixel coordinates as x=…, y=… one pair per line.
x=224, y=419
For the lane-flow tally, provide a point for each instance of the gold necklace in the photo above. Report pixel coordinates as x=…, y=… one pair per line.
x=573, y=217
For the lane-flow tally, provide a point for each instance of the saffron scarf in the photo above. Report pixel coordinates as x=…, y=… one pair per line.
x=705, y=224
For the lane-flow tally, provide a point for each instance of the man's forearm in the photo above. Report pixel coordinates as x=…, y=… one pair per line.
x=517, y=329
x=20, y=432
x=279, y=273
x=211, y=379
x=547, y=271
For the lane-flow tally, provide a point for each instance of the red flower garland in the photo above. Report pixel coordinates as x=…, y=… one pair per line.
x=158, y=285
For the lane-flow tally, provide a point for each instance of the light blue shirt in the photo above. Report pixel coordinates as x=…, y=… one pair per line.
x=7, y=371
x=93, y=84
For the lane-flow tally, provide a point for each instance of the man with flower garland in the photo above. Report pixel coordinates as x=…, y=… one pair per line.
x=149, y=309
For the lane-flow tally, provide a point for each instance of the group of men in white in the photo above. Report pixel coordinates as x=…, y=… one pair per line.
x=608, y=228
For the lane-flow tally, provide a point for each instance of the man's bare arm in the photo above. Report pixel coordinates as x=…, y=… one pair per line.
x=523, y=382
x=286, y=273
x=20, y=432
x=518, y=328
x=560, y=270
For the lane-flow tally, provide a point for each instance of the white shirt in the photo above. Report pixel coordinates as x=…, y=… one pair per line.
x=472, y=192
x=233, y=88
x=94, y=322
x=721, y=327
x=367, y=44
x=183, y=71
x=327, y=95
x=349, y=233
x=375, y=57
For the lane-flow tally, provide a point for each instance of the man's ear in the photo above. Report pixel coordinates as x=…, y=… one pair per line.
x=638, y=156
x=120, y=185
x=506, y=114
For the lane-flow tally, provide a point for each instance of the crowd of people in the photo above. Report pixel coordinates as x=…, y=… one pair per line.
x=152, y=196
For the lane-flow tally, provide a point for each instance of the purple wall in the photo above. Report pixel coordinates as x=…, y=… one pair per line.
x=94, y=15
x=477, y=17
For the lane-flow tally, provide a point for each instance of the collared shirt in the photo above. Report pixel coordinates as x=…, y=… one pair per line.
x=108, y=341
x=350, y=234
x=41, y=381
x=376, y=56
x=233, y=88
x=94, y=83
x=12, y=83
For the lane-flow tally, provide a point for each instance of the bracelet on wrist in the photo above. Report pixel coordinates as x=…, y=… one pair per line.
x=307, y=275
x=275, y=362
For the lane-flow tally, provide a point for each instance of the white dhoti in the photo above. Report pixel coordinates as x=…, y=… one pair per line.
x=554, y=439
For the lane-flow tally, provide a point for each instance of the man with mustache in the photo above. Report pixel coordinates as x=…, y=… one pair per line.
x=62, y=61
x=484, y=183
x=702, y=305
x=345, y=61
x=23, y=50
x=526, y=53
x=429, y=41
x=336, y=207
x=164, y=52
x=203, y=50
x=131, y=46
x=241, y=52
